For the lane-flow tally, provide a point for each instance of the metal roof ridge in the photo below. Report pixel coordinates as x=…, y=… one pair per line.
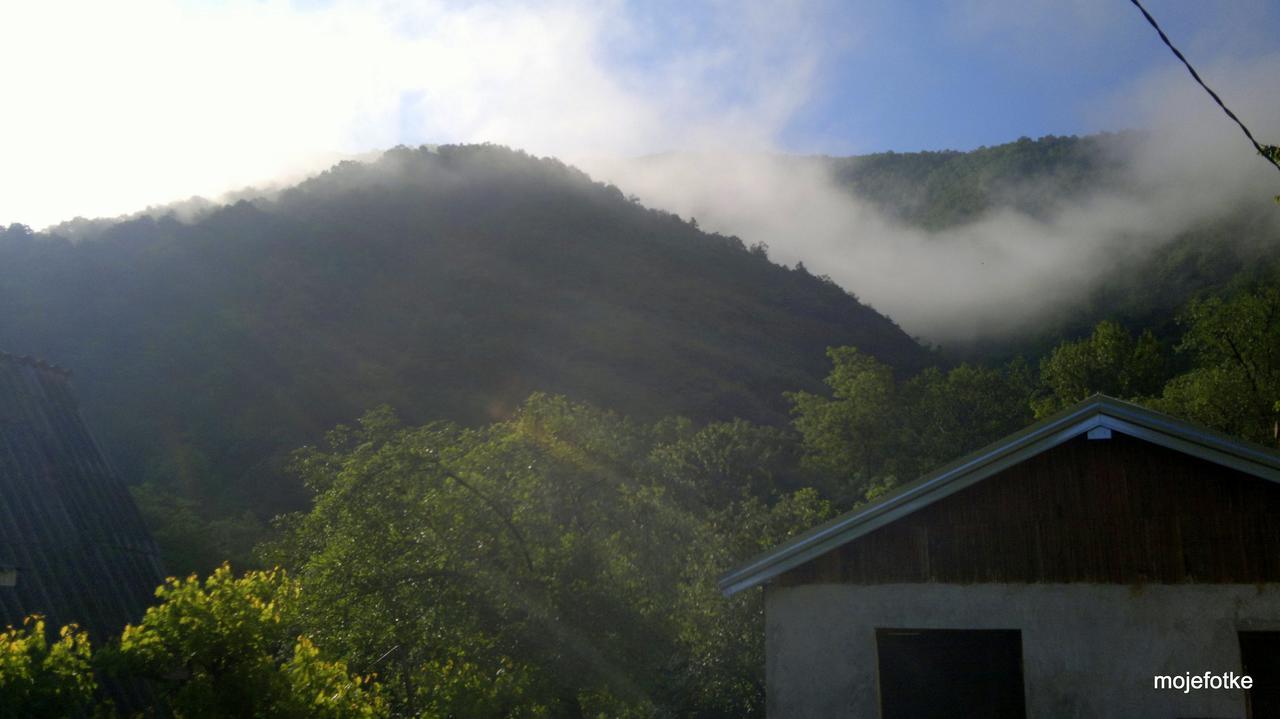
x=35, y=362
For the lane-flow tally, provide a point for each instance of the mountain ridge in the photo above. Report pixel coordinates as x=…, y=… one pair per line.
x=449, y=283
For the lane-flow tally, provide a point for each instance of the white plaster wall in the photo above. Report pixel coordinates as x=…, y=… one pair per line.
x=1088, y=650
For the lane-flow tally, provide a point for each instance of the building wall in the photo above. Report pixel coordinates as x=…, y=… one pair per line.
x=1089, y=650
x=1118, y=511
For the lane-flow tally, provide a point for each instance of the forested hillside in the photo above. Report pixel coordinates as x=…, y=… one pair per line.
x=449, y=284
x=945, y=188
x=1140, y=283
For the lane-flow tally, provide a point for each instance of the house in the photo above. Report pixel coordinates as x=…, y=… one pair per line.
x=1109, y=561
x=73, y=546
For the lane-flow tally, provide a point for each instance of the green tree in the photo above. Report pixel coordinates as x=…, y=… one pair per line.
x=951, y=413
x=523, y=548
x=1110, y=361
x=723, y=639
x=228, y=647
x=874, y=431
x=1234, y=384
x=560, y=563
x=39, y=678
x=724, y=462
x=190, y=542
x=853, y=434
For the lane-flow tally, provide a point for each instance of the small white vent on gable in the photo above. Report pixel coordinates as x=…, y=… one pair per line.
x=1100, y=433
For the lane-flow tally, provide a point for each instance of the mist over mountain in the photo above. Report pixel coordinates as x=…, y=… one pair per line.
x=1140, y=275
x=448, y=283
x=993, y=249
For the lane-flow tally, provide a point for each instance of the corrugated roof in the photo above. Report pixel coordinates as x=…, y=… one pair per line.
x=67, y=522
x=1098, y=411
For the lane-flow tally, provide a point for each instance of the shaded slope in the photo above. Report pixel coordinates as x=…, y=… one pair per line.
x=448, y=283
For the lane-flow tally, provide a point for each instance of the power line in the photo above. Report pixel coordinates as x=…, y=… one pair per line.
x=1270, y=152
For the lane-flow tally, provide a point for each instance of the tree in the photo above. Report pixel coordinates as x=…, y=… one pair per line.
x=1110, y=361
x=957, y=411
x=874, y=431
x=1234, y=385
x=39, y=678
x=723, y=638
x=523, y=549
x=228, y=647
x=724, y=462
x=560, y=563
x=852, y=435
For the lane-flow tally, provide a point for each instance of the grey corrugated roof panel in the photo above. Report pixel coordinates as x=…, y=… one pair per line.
x=1097, y=411
x=67, y=521
x=35, y=362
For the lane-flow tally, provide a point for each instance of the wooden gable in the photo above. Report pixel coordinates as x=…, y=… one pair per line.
x=1119, y=510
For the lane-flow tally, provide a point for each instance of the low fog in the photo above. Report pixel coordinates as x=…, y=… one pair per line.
x=1008, y=270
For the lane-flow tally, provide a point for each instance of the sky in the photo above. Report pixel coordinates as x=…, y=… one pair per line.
x=116, y=106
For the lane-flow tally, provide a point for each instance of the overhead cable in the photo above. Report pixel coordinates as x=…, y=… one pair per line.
x=1270, y=152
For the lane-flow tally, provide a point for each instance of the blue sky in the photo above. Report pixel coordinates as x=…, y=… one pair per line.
x=957, y=75
x=144, y=102
x=933, y=80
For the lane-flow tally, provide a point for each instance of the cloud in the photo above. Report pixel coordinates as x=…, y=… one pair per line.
x=127, y=104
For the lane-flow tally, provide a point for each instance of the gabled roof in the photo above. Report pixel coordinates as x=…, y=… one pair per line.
x=67, y=522
x=1096, y=413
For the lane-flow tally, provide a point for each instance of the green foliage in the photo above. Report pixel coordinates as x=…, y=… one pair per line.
x=1110, y=361
x=724, y=462
x=952, y=412
x=1272, y=153
x=1234, y=384
x=874, y=431
x=723, y=638
x=190, y=542
x=943, y=189
x=39, y=678
x=853, y=433
x=559, y=563
x=227, y=647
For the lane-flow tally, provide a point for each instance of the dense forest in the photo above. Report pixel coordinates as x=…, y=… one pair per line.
x=486, y=432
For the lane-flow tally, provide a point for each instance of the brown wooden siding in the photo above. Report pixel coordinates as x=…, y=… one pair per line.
x=1119, y=511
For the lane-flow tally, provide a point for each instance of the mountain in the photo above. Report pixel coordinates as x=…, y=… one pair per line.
x=1141, y=284
x=449, y=283
x=940, y=189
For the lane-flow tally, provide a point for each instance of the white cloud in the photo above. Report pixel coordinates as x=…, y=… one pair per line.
x=119, y=105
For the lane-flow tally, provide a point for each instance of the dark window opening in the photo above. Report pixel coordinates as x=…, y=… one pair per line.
x=1260, y=659
x=928, y=673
